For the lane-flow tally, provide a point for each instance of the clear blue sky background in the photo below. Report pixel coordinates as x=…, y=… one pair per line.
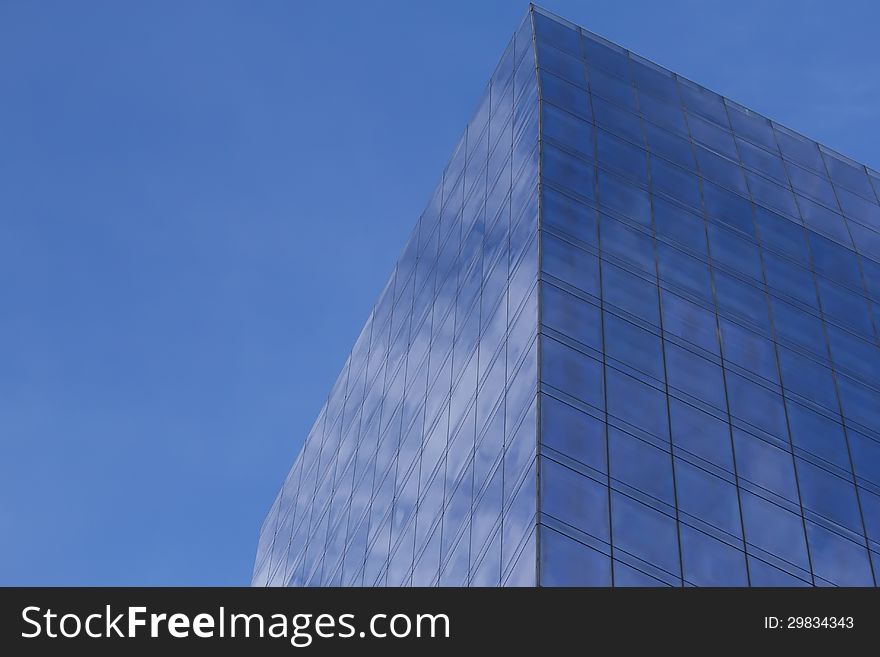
x=200, y=201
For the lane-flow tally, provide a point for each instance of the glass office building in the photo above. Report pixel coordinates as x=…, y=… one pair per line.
x=632, y=341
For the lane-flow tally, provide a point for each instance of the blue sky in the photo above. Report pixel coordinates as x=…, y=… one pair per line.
x=200, y=201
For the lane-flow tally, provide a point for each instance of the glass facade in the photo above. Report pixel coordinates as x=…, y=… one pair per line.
x=421, y=467
x=633, y=341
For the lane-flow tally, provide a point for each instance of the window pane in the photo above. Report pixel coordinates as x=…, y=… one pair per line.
x=572, y=316
x=572, y=432
x=707, y=497
x=735, y=252
x=768, y=193
x=666, y=114
x=817, y=434
x=746, y=301
x=866, y=456
x=798, y=326
x=625, y=575
x=752, y=126
x=769, y=164
x=570, y=264
x=677, y=224
x=829, y=496
x=729, y=208
x=634, y=346
x=782, y=234
x=637, y=403
x=709, y=562
x=569, y=215
x=625, y=198
x=574, y=499
x=702, y=101
x=790, y=279
x=616, y=119
x=865, y=212
x=684, y=271
x=570, y=172
x=713, y=136
x=765, y=465
x=566, y=562
x=613, y=88
x=630, y=292
x=554, y=32
x=809, y=184
x=701, y=434
x=838, y=560
x=690, y=322
x=798, y=149
x=626, y=243
x=675, y=181
x=644, y=532
x=845, y=306
x=670, y=146
x=657, y=82
x=772, y=528
x=572, y=372
x=607, y=57
x=807, y=378
x=695, y=375
x=749, y=349
x=640, y=465
x=561, y=63
x=835, y=261
x=848, y=174
x=622, y=157
x=721, y=170
x=763, y=574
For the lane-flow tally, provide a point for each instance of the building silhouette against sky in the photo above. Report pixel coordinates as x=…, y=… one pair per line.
x=632, y=341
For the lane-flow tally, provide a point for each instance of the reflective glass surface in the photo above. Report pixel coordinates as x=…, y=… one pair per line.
x=421, y=469
x=709, y=371
x=632, y=341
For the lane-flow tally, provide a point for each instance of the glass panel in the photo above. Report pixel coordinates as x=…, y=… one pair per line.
x=645, y=533
x=568, y=215
x=573, y=433
x=763, y=464
x=701, y=434
x=677, y=224
x=561, y=63
x=772, y=528
x=567, y=562
x=634, y=346
x=829, y=496
x=606, y=56
x=818, y=434
x=622, y=157
x=630, y=292
x=572, y=316
x=626, y=243
x=695, y=375
x=623, y=197
x=709, y=562
x=707, y=497
x=571, y=173
x=574, y=499
x=570, y=264
x=689, y=321
x=572, y=372
x=640, y=465
x=837, y=560
x=637, y=403
x=756, y=405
